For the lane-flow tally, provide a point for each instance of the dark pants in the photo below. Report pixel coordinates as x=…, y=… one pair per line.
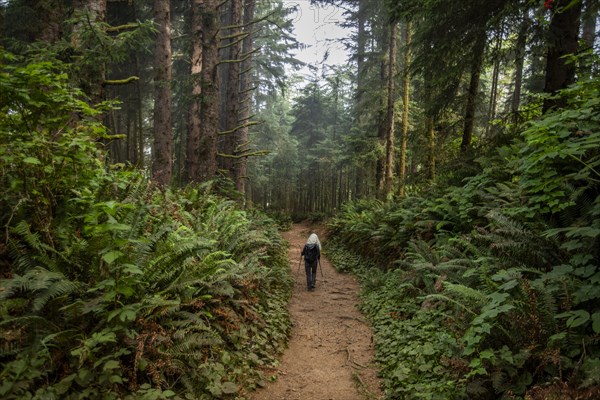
x=311, y=274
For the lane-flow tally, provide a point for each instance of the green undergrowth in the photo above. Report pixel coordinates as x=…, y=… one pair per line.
x=111, y=287
x=490, y=290
x=415, y=349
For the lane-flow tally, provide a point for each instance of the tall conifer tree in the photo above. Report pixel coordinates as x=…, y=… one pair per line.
x=163, y=134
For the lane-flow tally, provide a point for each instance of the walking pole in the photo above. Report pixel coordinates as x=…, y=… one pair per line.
x=299, y=263
x=321, y=268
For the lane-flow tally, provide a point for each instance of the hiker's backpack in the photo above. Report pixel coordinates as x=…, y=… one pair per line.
x=311, y=253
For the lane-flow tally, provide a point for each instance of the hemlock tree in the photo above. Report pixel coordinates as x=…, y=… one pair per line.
x=563, y=36
x=89, y=17
x=475, y=74
x=163, y=135
x=390, y=115
x=405, y=106
x=231, y=49
x=194, y=134
x=246, y=88
x=209, y=106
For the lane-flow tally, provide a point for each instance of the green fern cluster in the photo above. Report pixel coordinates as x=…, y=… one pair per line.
x=113, y=288
x=498, y=278
x=194, y=305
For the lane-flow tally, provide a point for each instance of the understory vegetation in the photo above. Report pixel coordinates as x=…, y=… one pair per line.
x=488, y=288
x=112, y=287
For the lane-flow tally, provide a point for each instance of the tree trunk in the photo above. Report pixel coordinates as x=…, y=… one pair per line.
x=476, y=64
x=495, y=78
x=406, y=98
x=209, y=105
x=382, y=131
x=429, y=127
x=93, y=76
x=588, y=33
x=562, y=40
x=241, y=167
x=519, y=63
x=194, y=136
x=390, y=113
x=231, y=116
x=51, y=15
x=361, y=43
x=139, y=122
x=163, y=134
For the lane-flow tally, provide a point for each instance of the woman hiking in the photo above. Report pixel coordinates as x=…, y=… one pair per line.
x=312, y=255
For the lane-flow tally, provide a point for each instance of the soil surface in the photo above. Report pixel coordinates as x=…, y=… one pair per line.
x=330, y=353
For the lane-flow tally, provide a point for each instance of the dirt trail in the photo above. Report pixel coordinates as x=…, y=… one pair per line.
x=330, y=353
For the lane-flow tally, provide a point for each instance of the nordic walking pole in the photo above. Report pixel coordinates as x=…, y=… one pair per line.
x=299, y=263
x=321, y=268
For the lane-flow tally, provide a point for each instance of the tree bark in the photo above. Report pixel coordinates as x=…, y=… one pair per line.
x=382, y=132
x=519, y=63
x=429, y=127
x=209, y=105
x=194, y=136
x=406, y=98
x=241, y=167
x=476, y=63
x=562, y=40
x=361, y=44
x=93, y=76
x=495, y=78
x=163, y=134
x=588, y=33
x=390, y=113
x=51, y=16
x=232, y=91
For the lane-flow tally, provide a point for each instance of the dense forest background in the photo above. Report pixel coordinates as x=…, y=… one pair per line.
x=456, y=156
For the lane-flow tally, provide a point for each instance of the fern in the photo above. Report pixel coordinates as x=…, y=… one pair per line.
x=193, y=345
x=466, y=292
x=30, y=251
x=515, y=244
x=39, y=286
x=451, y=300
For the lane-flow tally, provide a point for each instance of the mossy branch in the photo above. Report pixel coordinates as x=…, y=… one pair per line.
x=248, y=118
x=251, y=52
x=239, y=60
x=120, y=81
x=125, y=27
x=237, y=128
x=257, y=153
x=249, y=89
x=240, y=36
x=254, y=22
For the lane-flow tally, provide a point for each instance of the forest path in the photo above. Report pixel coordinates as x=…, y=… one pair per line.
x=330, y=353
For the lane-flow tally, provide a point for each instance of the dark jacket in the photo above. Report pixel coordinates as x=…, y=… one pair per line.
x=309, y=247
